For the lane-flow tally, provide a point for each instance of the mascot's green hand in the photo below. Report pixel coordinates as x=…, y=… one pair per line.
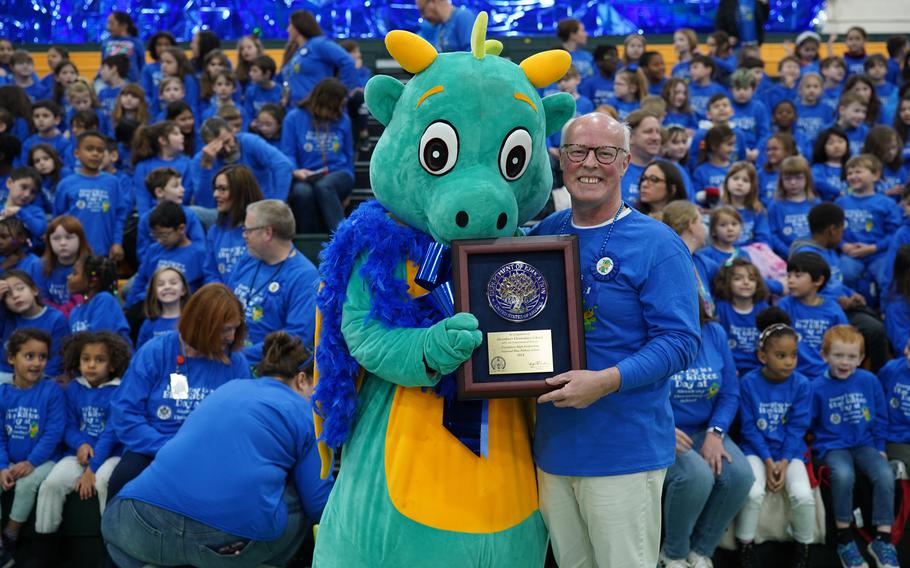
x=450, y=342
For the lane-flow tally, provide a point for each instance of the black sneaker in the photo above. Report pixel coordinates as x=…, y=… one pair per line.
x=802, y=556
x=747, y=555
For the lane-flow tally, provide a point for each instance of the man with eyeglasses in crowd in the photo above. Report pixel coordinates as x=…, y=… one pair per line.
x=605, y=437
x=275, y=283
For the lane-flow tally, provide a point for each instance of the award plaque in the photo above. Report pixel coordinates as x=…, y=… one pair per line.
x=525, y=293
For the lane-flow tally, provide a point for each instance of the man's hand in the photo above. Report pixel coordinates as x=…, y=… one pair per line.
x=210, y=152
x=580, y=389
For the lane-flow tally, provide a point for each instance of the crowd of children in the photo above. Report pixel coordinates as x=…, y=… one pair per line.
x=800, y=178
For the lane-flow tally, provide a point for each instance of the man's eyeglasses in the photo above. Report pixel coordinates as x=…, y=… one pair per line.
x=578, y=153
x=248, y=230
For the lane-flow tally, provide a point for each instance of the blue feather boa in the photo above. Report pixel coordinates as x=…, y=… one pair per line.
x=370, y=231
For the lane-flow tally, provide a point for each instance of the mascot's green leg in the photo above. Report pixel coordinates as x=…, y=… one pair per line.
x=361, y=527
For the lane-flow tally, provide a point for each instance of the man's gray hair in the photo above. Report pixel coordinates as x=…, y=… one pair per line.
x=212, y=127
x=275, y=214
x=626, y=131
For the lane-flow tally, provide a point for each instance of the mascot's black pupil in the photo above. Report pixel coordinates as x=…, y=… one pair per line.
x=436, y=154
x=515, y=161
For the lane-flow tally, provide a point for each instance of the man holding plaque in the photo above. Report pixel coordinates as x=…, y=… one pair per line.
x=605, y=437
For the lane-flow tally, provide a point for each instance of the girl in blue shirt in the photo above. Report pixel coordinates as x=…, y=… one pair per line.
x=740, y=191
x=235, y=187
x=830, y=155
x=95, y=362
x=172, y=374
x=20, y=295
x=95, y=277
x=787, y=214
x=676, y=94
x=167, y=293
x=151, y=72
x=883, y=143
x=158, y=146
x=629, y=88
x=46, y=159
x=812, y=115
x=850, y=422
x=34, y=417
x=267, y=124
x=124, y=40
x=710, y=481
x=182, y=113
x=265, y=526
x=777, y=148
x=317, y=137
x=902, y=125
x=175, y=64
x=65, y=245
x=714, y=159
x=775, y=412
x=741, y=294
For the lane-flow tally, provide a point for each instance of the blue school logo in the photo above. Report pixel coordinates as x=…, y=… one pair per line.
x=164, y=412
x=80, y=204
x=732, y=343
x=761, y=423
x=308, y=147
x=835, y=418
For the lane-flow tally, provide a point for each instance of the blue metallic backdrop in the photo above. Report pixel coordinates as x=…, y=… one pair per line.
x=81, y=21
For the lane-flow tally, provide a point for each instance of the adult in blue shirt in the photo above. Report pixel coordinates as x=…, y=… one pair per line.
x=274, y=282
x=261, y=510
x=317, y=137
x=269, y=165
x=608, y=430
x=448, y=28
x=172, y=373
x=571, y=33
x=644, y=146
x=311, y=57
x=235, y=188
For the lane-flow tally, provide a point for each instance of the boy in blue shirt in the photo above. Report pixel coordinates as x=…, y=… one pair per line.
x=173, y=249
x=827, y=223
x=701, y=87
x=872, y=220
x=113, y=70
x=751, y=117
x=22, y=186
x=849, y=420
x=898, y=46
x=46, y=115
x=23, y=75
x=165, y=184
x=833, y=70
x=811, y=314
x=262, y=88
x=851, y=116
x=94, y=197
x=598, y=88
x=812, y=115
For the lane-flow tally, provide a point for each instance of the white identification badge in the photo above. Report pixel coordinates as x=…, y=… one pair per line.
x=180, y=389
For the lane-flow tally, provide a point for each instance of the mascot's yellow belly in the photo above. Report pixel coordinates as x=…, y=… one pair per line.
x=435, y=480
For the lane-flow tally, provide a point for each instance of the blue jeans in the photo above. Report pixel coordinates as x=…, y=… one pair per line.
x=316, y=203
x=843, y=464
x=698, y=505
x=139, y=534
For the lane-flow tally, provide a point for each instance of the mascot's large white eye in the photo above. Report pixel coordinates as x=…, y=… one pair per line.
x=439, y=148
x=515, y=154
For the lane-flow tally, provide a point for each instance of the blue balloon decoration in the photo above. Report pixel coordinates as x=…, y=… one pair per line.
x=83, y=21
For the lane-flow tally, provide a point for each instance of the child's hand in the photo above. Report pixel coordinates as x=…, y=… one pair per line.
x=896, y=190
x=84, y=453
x=302, y=174
x=7, y=481
x=86, y=484
x=4, y=288
x=683, y=442
x=116, y=253
x=752, y=154
x=789, y=47
x=864, y=250
x=769, y=474
x=21, y=469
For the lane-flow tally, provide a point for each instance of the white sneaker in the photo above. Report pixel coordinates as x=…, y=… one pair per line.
x=698, y=561
x=670, y=563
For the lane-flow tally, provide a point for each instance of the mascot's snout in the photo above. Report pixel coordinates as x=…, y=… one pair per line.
x=471, y=207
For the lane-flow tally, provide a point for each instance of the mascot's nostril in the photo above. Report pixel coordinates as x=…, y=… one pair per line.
x=461, y=219
x=501, y=221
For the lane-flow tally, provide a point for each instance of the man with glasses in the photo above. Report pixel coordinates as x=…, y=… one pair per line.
x=605, y=437
x=448, y=28
x=276, y=284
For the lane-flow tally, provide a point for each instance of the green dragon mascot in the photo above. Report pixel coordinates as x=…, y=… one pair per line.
x=428, y=480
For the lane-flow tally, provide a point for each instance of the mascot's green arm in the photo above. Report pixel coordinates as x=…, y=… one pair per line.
x=395, y=354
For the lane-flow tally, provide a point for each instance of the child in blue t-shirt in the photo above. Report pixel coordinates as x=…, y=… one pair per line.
x=787, y=89
x=872, y=220
x=701, y=87
x=895, y=379
x=883, y=143
x=834, y=71
x=851, y=117
x=95, y=362
x=94, y=277
x=268, y=124
x=598, y=88
x=794, y=198
x=24, y=308
x=775, y=411
x=812, y=315
x=832, y=150
x=629, y=88
x=22, y=187
x=65, y=244
x=114, y=69
x=47, y=161
x=850, y=423
x=34, y=418
x=750, y=116
x=811, y=114
x=167, y=293
x=14, y=249
x=740, y=191
x=262, y=88
x=157, y=146
x=165, y=184
x=94, y=197
x=714, y=159
x=772, y=152
x=676, y=94
x=46, y=116
x=741, y=294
